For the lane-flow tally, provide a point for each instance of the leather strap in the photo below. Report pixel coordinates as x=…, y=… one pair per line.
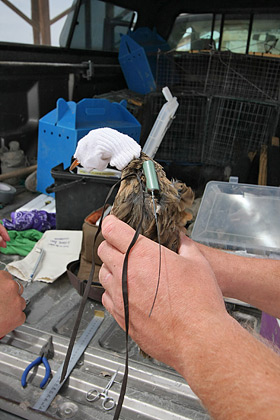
x=126, y=313
x=86, y=291
x=96, y=290
x=84, y=296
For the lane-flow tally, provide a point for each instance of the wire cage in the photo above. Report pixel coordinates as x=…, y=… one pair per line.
x=222, y=73
x=183, y=141
x=214, y=130
x=235, y=127
x=185, y=72
x=239, y=96
x=244, y=76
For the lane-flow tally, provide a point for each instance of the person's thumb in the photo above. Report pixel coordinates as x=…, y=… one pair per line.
x=188, y=248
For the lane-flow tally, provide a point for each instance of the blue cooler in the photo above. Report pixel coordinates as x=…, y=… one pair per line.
x=61, y=129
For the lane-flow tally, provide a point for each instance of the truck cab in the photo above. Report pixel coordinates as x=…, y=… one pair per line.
x=214, y=60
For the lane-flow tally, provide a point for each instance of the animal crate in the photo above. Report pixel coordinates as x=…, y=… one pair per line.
x=235, y=127
x=62, y=128
x=183, y=141
x=244, y=76
x=185, y=72
x=221, y=73
x=240, y=99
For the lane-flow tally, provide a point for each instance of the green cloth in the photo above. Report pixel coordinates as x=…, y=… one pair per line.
x=21, y=242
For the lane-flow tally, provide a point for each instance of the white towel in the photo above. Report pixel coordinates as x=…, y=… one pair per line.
x=106, y=145
x=59, y=248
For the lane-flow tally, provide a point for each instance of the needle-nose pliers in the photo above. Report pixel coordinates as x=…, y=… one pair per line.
x=46, y=353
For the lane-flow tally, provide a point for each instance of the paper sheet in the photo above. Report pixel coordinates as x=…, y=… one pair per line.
x=60, y=247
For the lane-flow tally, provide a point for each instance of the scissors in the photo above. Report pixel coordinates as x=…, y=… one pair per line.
x=108, y=402
x=46, y=352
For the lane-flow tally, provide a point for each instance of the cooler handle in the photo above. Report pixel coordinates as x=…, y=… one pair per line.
x=55, y=188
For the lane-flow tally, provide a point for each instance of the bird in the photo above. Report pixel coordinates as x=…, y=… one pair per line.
x=104, y=146
x=173, y=204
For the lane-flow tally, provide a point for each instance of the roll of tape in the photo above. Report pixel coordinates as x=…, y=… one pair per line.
x=7, y=193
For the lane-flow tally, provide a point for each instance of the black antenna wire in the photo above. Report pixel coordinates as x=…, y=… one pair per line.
x=159, y=263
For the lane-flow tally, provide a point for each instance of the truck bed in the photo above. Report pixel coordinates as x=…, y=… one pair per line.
x=154, y=391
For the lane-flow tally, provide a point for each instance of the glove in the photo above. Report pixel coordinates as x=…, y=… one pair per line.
x=105, y=146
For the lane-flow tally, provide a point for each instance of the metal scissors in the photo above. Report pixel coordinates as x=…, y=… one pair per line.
x=45, y=353
x=108, y=402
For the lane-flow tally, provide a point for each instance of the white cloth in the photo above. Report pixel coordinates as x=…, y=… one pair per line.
x=59, y=248
x=105, y=146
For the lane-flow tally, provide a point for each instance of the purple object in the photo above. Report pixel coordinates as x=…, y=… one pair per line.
x=34, y=219
x=270, y=329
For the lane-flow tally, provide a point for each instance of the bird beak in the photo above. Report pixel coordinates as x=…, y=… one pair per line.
x=74, y=165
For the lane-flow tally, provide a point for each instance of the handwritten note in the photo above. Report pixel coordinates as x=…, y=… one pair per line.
x=60, y=247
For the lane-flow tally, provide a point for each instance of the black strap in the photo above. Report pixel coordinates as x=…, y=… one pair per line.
x=88, y=285
x=85, y=295
x=126, y=314
x=124, y=293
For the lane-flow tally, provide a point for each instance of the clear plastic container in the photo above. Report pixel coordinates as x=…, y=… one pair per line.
x=240, y=217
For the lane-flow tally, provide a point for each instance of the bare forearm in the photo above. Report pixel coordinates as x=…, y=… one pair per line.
x=234, y=375
x=252, y=280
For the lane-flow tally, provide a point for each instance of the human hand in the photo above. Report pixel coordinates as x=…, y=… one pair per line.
x=4, y=236
x=12, y=304
x=188, y=297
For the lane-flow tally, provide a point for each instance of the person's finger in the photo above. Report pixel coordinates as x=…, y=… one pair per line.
x=105, y=276
x=5, y=275
x=110, y=256
x=2, y=243
x=23, y=303
x=20, y=287
x=108, y=303
x=111, y=227
x=3, y=233
x=20, y=319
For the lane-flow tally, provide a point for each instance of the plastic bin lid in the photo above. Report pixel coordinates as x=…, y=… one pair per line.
x=240, y=217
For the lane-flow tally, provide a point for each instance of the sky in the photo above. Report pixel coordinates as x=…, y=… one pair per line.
x=15, y=29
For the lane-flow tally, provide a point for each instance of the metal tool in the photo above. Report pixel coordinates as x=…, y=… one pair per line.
x=39, y=259
x=46, y=353
x=108, y=403
x=54, y=386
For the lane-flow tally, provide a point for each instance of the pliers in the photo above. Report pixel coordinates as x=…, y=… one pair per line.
x=47, y=352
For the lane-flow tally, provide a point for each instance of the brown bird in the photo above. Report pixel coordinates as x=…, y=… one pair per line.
x=173, y=203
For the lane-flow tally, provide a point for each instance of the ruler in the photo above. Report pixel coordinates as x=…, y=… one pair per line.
x=54, y=386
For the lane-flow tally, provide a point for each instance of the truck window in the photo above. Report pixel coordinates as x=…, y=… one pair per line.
x=265, y=34
x=192, y=32
x=243, y=34
x=100, y=25
x=235, y=33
